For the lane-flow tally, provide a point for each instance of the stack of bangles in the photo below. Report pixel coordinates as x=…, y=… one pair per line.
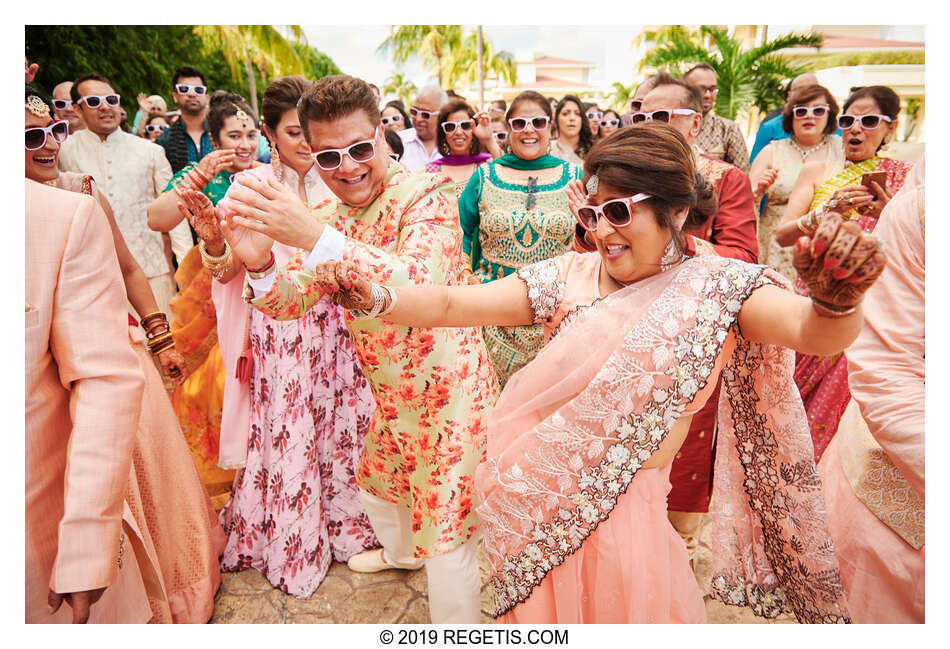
x=808, y=223
x=384, y=301
x=195, y=180
x=826, y=310
x=219, y=266
x=258, y=273
x=158, y=333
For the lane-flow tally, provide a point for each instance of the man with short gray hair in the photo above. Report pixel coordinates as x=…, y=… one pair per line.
x=419, y=142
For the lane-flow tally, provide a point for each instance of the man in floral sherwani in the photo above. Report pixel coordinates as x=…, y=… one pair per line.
x=434, y=387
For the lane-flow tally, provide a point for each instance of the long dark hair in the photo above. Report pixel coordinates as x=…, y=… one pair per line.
x=585, y=139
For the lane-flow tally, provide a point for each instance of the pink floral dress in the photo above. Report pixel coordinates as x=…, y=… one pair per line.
x=295, y=506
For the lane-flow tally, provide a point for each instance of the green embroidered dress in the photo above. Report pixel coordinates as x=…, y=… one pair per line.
x=508, y=223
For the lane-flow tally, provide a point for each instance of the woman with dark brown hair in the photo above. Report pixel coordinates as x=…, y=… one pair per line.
x=573, y=490
x=461, y=150
x=810, y=117
x=296, y=404
x=574, y=134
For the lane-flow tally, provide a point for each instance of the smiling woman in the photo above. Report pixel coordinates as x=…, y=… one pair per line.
x=198, y=401
x=514, y=212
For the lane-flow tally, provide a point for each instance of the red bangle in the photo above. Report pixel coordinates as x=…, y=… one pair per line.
x=201, y=175
x=266, y=267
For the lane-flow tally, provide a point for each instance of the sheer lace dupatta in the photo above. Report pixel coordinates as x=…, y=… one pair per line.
x=572, y=429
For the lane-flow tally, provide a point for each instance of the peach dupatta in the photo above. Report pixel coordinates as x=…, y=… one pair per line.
x=573, y=428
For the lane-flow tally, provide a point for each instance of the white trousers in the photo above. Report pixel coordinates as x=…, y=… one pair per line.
x=453, y=578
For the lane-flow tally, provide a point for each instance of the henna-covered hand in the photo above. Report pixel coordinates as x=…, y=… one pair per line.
x=839, y=262
x=345, y=283
x=197, y=208
x=216, y=161
x=173, y=365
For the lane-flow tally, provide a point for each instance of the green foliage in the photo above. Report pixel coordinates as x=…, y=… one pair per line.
x=620, y=97
x=142, y=58
x=316, y=64
x=885, y=57
x=398, y=84
x=744, y=77
x=448, y=53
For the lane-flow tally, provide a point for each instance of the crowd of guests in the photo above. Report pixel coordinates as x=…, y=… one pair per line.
x=388, y=336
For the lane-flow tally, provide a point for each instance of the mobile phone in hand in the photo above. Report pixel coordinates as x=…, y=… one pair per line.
x=879, y=177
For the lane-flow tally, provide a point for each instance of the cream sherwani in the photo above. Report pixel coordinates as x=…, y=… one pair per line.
x=131, y=172
x=83, y=395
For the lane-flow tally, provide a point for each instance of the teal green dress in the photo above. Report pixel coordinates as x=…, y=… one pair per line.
x=508, y=224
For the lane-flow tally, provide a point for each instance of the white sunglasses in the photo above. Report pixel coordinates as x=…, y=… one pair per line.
x=392, y=119
x=93, y=101
x=362, y=151
x=662, y=115
x=465, y=125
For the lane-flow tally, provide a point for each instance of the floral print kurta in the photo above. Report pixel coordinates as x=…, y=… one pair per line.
x=433, y=387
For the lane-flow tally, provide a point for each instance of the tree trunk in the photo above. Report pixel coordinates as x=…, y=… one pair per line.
x=481, y=71
x=251, y=81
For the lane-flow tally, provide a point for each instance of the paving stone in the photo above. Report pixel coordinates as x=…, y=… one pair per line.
x=417, y=612
x=244, y=582
x=253, y=608
x=381, y=604
x=418, y=582
x=330, y=595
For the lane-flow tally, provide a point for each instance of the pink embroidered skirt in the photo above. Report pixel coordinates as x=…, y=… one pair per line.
x=633, y=569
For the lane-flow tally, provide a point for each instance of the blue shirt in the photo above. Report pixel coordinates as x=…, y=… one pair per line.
x=771, y=129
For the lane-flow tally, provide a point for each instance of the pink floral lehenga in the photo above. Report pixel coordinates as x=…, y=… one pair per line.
x=575, y=528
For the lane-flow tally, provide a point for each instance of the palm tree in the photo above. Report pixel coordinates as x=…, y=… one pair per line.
x=744, y=77
x=429, y=42
x=619, y=99
x=398, y=84
x=665, y=34
x=460, y=65
x=262, y=46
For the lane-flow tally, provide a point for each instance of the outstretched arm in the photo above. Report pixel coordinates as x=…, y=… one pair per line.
x=838, y=265
x=503, y=302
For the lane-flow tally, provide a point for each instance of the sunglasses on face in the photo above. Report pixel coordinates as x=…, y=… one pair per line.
x=868, y=122
x=594, y=115
x=618, y=212
x=184, y=89
x=362, y=151
x=392, y=119
x=519, y=124
x=156, y=128
x=465, y=125
x=801, y=112
x=62, y=104
x=610, y=122
x=709, y=89
x=662, y=115
x=501, y=136
x=422, y=114
x=36, y=136
x=635, y=105
x=93, y=101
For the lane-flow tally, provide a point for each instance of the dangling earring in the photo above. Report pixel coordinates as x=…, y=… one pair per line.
x=669, y=257
x=275, y=162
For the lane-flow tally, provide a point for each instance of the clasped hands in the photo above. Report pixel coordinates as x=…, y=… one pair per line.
x=838, y=263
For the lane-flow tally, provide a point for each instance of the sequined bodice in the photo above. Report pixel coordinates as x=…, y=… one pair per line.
x=511, y=235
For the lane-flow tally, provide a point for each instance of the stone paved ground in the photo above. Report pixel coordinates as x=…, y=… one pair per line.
x=391, y=596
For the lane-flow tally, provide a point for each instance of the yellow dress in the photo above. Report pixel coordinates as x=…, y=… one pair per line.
x=197, y=401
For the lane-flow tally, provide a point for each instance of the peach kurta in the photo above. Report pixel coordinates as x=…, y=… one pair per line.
x=83, y=393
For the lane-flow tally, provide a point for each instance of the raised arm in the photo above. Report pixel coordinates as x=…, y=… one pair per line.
x=163, y=214
x=838, y=265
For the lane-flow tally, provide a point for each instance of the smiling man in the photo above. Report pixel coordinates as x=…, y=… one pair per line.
x=419, y=142
x=188, y=139
x=131, y=172
x=434, y=387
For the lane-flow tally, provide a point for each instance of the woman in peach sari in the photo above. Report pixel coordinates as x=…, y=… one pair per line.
x=573, y=492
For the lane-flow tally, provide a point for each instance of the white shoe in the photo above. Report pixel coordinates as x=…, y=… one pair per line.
x=375, y=561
